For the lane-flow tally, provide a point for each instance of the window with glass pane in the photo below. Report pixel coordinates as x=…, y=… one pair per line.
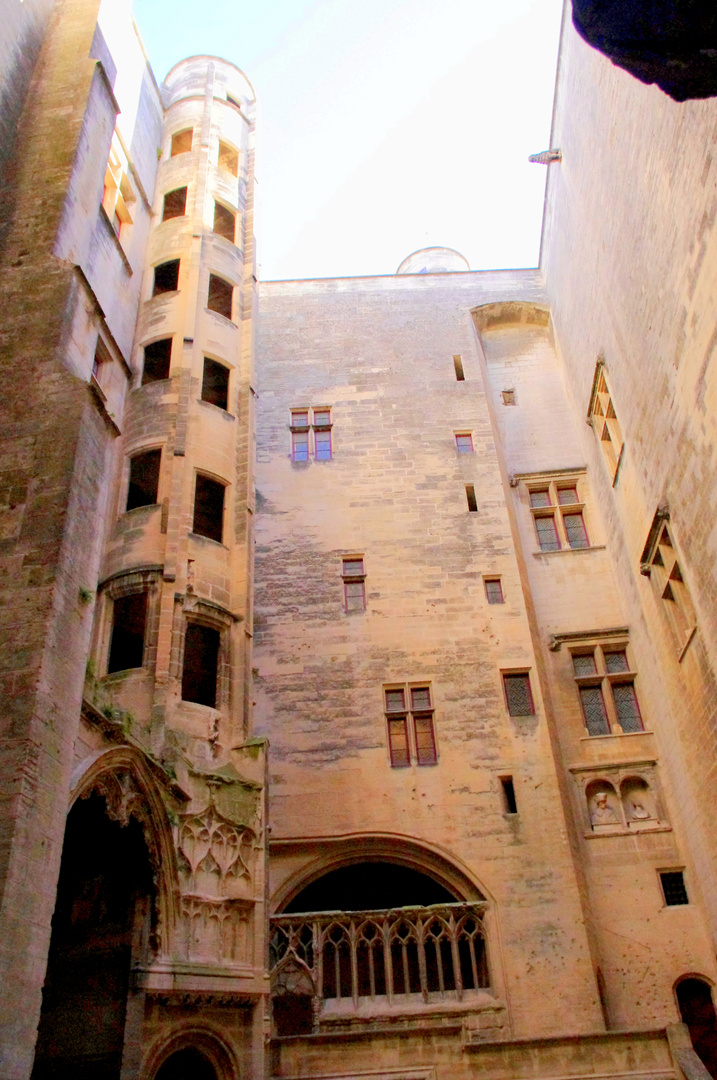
x=322, y=417
x=626, y=707
x=420, y=698
x=322, y=439
x=568, y=496
x=398, y=741
x=425, y=742
x=395, y=700
x=354, y=596
x=300, y=445
x=575, y=530
x=353, y=567
x=585, y=664
x=616, y=661
x=540, y=498
x=517, y=695
x=300, y=419
x=594, y=712
x=547, y=533
x=493, y=590
x=464, y=444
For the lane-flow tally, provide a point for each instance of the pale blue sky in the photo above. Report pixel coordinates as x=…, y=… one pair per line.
x=384, y=125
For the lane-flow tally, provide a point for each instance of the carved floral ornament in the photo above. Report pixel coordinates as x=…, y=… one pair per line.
x=211, y=845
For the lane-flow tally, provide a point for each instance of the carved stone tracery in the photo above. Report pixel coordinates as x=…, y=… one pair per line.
x=212, y=846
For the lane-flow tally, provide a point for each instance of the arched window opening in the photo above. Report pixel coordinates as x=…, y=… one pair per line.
x=694, y=996
x=373, y=931
x=186, y=1064
x=101, y=925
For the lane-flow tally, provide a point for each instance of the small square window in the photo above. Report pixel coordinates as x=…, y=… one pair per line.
x=464, y=444
x=300, y=418
x=540, y=498
x=493, y=590
x=568, y=496
x=508, y=397
x=353, y=567
x=673, y=888
x=585, y=665
x=420, y=698
x=322, y=417
x=395, y=700
x=518, y=696
x=616, y=661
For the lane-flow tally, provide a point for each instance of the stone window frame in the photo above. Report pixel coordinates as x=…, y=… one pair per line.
x=663, y=564
x=596, y=643
x=518, y=672
x=124, y=583
x=603, y=419
x=193, y=609
x=130, y=456
x=409, y=716
x=118, y=196
x=553, y=482
x=618, y=775
x=303, y=422
x=353, y=577
x=175, y=135
x=492, y=595
x=463, y=446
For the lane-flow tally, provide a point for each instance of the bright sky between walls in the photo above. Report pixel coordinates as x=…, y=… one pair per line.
x=384, y=125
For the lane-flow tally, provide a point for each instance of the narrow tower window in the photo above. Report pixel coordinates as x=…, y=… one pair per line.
x=129, y=618
x=201, y=661
x=166, y=277
x=493, y=590
x=181, y=142
x=209, y=508
x=354, y=584
x=228, y=158
x=156, y=360
x=215, y=384
x=471, y=497
x=143, y=479
x=219, y=297
x=518, y=696
x=175, y=204
x=510, y=806
x=224, y=222
x=458, y=365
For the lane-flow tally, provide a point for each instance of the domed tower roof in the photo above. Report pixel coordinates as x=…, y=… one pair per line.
x=433, y=260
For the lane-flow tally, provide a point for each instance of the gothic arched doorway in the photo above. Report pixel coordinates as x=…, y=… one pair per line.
x=102, y=916
x=186, y=1064
x=694, y=996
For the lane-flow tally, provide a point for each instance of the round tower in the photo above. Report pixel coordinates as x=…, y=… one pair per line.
x=176, y=629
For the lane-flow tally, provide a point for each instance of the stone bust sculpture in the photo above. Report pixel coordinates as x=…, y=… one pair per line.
x=602, y=813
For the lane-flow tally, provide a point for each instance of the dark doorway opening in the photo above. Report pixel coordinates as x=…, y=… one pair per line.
x=103, y=904
x=187, y=1064
x=696, y=1006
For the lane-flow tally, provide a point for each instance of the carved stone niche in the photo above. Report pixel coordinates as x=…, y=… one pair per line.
x=620, y=798
x=217, y=931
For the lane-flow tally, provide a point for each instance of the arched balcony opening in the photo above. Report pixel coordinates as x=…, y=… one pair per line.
x=374, y=937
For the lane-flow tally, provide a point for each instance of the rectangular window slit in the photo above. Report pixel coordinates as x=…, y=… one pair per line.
x=208, y=508
x=509, y=804
x=458, y=365
x=471, y=498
